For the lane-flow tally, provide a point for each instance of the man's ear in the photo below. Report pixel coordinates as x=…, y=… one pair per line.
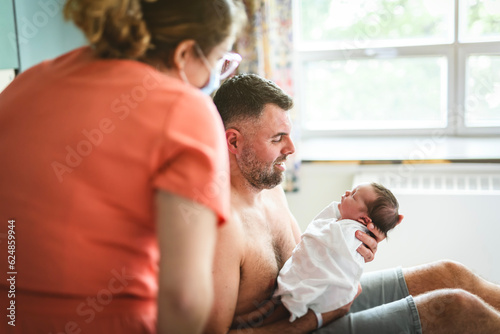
x=400, y=219
x=233, y=139
x=183, y=52
x=365, y=220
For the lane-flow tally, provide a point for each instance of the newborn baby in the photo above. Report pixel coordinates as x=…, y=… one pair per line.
x=324, y=270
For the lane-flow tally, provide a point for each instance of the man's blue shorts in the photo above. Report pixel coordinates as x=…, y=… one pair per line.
x=385, y=306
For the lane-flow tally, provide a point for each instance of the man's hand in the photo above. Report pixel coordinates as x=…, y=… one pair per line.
x=370, y=243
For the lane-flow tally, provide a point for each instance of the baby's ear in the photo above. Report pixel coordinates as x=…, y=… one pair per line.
x=365, y=220
x=400, y=219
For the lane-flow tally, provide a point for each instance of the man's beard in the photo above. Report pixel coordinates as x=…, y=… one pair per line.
x=260, y=174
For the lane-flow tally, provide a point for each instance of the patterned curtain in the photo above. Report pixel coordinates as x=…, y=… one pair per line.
x=266, y=48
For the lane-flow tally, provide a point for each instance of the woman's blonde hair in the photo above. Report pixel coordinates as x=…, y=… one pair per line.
x=152, y=29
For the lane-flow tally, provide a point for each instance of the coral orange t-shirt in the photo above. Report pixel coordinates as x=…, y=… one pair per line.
x=85, y=143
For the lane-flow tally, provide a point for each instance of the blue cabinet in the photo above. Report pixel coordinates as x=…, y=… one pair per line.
x=8, y=38
x=42, y=32
x=32, y=31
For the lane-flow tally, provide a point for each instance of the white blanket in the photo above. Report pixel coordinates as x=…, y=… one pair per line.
x=324, y=270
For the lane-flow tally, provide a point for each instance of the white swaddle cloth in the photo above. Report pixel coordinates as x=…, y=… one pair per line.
x=324, y=270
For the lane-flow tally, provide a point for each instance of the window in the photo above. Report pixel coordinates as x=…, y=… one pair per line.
x=397, y=66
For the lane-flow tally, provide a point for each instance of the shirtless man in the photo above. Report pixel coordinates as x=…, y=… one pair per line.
x=253, y=247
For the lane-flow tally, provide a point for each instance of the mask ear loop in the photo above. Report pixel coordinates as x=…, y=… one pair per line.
x=203, y=58
x=184, y=77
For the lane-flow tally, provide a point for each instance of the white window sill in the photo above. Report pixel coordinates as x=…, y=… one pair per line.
x=6, y=77
x=398, y=149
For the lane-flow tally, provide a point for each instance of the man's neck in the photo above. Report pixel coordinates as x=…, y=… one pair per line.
x=241, y=187
x=244, y=190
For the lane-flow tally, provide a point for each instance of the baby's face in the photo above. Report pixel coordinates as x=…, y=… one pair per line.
x=353, y=204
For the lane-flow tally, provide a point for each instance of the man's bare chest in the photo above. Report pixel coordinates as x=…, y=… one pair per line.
x=268, y=244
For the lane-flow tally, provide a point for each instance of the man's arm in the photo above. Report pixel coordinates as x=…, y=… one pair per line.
x=226, y=277
x=280, y=197
x=305, y=324
x=186, y=237
x=302, y=325
x=295, y=229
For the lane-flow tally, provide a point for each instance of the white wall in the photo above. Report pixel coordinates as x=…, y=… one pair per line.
x=462, y=227
x=319, y=184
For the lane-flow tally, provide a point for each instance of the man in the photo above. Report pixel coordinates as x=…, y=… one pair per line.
x=447, y=297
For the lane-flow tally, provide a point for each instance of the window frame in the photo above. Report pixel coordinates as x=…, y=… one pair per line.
x=454, y=51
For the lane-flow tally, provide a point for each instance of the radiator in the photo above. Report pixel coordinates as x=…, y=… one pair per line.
x=437, y=182
x=450, y=212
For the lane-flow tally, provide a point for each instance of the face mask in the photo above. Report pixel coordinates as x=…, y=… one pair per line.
x=213, y=82
x=230, y=59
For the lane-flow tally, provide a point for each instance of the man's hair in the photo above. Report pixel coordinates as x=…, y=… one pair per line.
x=244, y=96
x=384, y=210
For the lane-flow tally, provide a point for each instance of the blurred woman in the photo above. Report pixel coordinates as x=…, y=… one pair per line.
x=115, y=172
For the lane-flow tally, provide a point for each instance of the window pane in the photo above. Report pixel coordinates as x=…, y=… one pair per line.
x=371, y=23
x=375, y=93
x=482, y=104
x=480, y=20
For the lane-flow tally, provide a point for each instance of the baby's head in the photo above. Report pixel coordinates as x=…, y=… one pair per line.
x=371, y=202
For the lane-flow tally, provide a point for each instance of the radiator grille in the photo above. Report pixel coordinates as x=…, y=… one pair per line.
x=435, y=182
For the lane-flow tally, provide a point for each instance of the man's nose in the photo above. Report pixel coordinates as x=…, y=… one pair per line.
x=289, y=148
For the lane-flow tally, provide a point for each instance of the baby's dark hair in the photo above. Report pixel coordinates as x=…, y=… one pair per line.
x=384, y=210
